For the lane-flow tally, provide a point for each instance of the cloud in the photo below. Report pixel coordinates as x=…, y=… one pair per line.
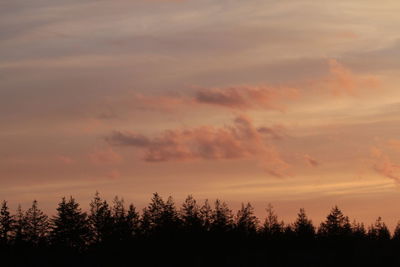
x=247, y=97
x=394, y=144
x=339, y=81
x=113, y=174
x=311, y=161
x=384, y=165
x=342, y=81
x=106, y=156
x=65, y=160
x=238, y=141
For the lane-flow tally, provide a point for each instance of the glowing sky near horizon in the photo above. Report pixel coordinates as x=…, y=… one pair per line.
x=296, y=103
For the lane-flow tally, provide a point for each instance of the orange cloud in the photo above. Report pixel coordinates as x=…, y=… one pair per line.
x=247, y=97
x=106, y=156
x=241, y=140
x=65, y=160
x=164, y=103
x=384, y=165
x=394, y=144
x=342, y=81
x=311, y=161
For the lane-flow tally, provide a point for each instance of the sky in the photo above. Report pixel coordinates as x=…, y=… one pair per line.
x=294, y=103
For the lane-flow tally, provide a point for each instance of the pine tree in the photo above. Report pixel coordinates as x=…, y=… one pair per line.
x=206, y=214
x=152, y=214
x=190, y=215
x=70, y=225
x=100, y=219
x=358, y=230
x=379, y=230
x=133, y=221
x=170, y=217
x=6, y=223
x=36, y=224
x=121, y=229
x=222, y=218
x=19, y=229
x=246, y=222
x=272, y=228
x=396, y=233
x=303, y=227
x=335, y=225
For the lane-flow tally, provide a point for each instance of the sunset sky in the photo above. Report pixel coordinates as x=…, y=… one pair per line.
x=294, y=103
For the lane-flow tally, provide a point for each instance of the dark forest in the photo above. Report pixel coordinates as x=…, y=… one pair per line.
x=195, y=234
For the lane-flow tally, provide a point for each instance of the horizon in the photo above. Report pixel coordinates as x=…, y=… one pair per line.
x=293, y=104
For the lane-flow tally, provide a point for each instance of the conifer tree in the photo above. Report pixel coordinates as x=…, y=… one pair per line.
x=272, y=228
x=222, y=218
x=100, y=219
x=358, y=230
x=191, y=215
x=303, y=227
x=70, y=225
x=246, y=222
x=335, y=225
x=19, y=228
x=170, y=217
x=396, y=233
x=6, y=223
x=36, y=224
x=379, y=230
x=121, y=230
x=152, y=214
x=206, y=214
x=133, y=221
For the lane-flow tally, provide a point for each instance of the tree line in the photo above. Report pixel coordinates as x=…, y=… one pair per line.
x=161, y=229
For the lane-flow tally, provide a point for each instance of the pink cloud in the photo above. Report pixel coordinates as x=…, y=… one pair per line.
x=384, y=165
x=311, y=161
x=113, y=174
x=238, y=141
x=247, y=97
x=65, y=160
x=342, y=81
x=394, y=144
x=105, y=156
x=164, y=103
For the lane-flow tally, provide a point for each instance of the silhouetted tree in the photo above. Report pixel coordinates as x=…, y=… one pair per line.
x=164, y=237
x=190, y=215
x=272, y=228
x=222, y=218
x=6, y=223
x=206, y=215
x=100, y=219
x=379, y=230
x=303, y=227
x=133, y=221
x=335, y=225
x=246, y=223
x=121, y=225
x=36, y=225
x=151, y=217
x=70, y=226
x=19, y=228
x=160, y=217
x=358, y=230
x=396, y=233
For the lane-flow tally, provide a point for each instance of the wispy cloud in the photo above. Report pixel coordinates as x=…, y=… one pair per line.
x=104, y=156
x=247, y=97
x=311, y=161
x=342, y=81
x=240, y=140
x=384, y=165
